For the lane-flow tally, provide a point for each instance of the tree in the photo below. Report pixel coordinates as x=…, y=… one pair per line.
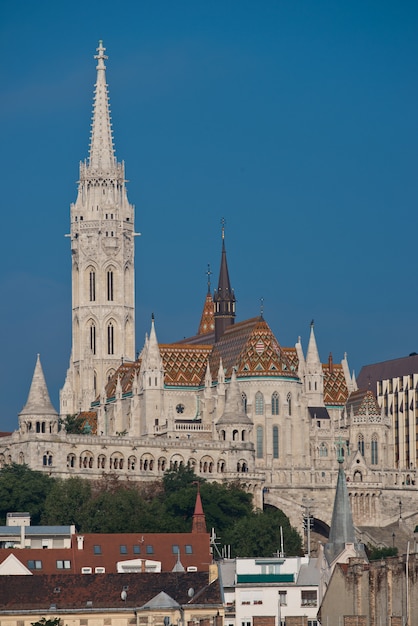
x=73, y=424
x=375, y=554
x=67, y=502
x=22, y=489
x=258, y=534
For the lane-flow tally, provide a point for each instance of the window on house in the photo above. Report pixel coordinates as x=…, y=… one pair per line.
x=188, y=549
x=282, y=597
x=175, y=549
x=309, y=597
x=150, y=549
x=123, y=550
x=63, y=564
x=97, y=549
x=35, y=564
x=137, y=549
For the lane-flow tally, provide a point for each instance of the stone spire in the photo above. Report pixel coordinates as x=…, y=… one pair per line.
x=234, y=412
x=342, y=527
x=102, y=155
x=314, y=376
x=38, y=402
x=224, y=297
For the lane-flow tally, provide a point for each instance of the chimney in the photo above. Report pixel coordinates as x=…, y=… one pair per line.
x=80, y=542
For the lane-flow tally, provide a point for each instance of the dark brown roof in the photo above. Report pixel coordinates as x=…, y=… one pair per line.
x=371, y=374
x=104, y=590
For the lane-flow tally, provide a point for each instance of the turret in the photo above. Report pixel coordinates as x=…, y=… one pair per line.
x=38, y=415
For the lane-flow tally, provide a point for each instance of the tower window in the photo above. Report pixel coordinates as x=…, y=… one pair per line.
x=360, y=444
x=110, y=339
x=374, y=450
x=110, y=285
x=289, y=403
x=93, y=338
x=92, y=286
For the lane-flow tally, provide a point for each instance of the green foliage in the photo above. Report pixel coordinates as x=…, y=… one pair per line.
x=73, y=424
x=258, y=534
x=22, y=489
x=179, y=478
x=374, y=553
x=68, y=502
x=54, y=621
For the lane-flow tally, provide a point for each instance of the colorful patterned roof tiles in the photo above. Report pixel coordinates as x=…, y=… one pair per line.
x=335, y=385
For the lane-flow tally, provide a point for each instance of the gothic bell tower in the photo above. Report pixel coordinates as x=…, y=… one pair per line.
x=102, y=247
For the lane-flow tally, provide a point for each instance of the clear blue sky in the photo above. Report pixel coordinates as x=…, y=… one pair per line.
x=296, y=121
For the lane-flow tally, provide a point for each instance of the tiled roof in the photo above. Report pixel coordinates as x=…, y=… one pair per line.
x=154, y=546
x=184, y=365
x=335, y=385
x=207, y=321
x=252, y=348
x=363, y=403
x=104, y=590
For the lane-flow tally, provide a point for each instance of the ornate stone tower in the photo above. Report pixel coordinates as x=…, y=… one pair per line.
x=102, y=248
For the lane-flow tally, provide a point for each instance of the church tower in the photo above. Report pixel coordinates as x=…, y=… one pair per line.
x=102, y=247
x=224, y=297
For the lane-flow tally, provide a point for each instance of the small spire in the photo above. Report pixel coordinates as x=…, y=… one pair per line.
x=38, y=402
x=312, y=356
x=102, y=155
x=199, y=520
x=262, y=308
x=208, y=274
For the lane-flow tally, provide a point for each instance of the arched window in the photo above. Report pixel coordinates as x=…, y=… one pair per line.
x=275, y=442
x=374, y=449
x=323, y=450
x=234, y=435
x=110, y=339
x=259, y=403
x=110, y=285
x=92, y=285
x=275, y=403
x=360, y=444
x=71, y=460
x=93, y=338
x=289, y=403
x=259, y=442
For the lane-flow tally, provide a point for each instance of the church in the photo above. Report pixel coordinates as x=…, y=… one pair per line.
x=229, y=401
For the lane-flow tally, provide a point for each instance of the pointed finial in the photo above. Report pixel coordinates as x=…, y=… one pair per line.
x=312, y=323
x=261, y=307
x=223, y=222
x=152, y=316
x=340, y=446
x=208, y=274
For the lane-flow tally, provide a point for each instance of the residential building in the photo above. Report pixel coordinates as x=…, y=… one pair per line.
x=270, y=591
x=113, y=599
